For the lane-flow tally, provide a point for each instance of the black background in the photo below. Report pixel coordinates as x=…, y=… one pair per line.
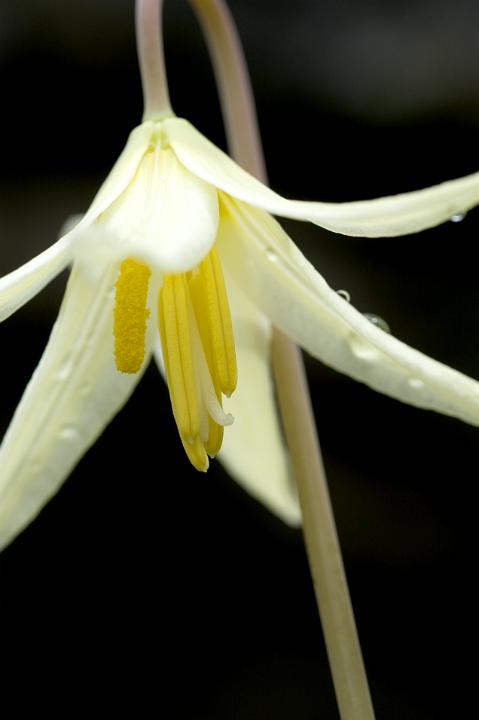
x=148, y=588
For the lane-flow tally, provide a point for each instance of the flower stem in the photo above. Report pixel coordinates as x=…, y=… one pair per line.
x=149, y=39
x=324, y=553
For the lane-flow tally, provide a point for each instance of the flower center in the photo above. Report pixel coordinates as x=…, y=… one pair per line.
x=199, y=355
x=130, y=315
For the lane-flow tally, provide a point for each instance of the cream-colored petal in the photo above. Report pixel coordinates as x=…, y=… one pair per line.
x=19, y=286
x=22, y=284
x=275, y=275
x=123, y=171
x=395, y=215
x=167, y=216
x=253, y=450
x=121, y=175
x=74, y=392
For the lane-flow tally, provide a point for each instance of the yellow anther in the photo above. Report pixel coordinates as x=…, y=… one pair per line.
x=199, y=355
x=174, y=310
x=212, y=303
x=130, y=315
x=196, y=454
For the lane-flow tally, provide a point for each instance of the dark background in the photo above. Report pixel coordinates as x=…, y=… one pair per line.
x=148, y=588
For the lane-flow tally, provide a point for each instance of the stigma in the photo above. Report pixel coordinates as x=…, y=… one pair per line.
x=199, y=355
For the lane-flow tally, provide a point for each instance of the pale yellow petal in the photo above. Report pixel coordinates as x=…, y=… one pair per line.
x=254, y=452
x=122, y=172
x=395, y=215
x=19, y=286
x=73, y=394
x=167, y=217
x=276, y=276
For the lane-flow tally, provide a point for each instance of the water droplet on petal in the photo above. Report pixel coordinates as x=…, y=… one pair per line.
x=363, y=350
x=458, y=217
x=378, y=321
x=64, y=370
x=416, y=383
x=271, y=255
x=345, y=295
x=68, y=433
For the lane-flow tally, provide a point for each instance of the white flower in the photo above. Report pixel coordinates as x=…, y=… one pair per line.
x=149, y=254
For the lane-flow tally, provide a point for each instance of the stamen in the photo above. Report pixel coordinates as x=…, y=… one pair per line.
x=207, y=389
x=196, y=454
x=215, y=305
x=199, y=355
x=174, y=321
x=215, y=438
x=130, y=315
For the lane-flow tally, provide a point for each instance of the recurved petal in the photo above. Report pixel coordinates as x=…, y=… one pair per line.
x=253, y=449
x=394, y=215
x=22, y=284
x=74, y=392
x=275, y=275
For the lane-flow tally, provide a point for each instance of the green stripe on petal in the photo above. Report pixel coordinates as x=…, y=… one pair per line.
x=395, y=215
x=74, y=392
x=286, y=287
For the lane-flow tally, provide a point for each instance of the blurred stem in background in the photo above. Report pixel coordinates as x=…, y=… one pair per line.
x=149, y=40
x=327, y=569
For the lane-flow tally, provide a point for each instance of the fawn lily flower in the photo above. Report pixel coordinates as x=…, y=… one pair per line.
x=175, y=230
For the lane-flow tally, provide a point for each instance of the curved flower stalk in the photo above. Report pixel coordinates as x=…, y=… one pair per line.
x=175, y=230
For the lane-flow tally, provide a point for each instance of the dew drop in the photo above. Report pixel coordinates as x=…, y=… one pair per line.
x=378, y=321
x=271, y=255
x=64, y=371
x=345, y=295
x=68, y=433
x=458, y=217
x=416, y=383
x=362, y=350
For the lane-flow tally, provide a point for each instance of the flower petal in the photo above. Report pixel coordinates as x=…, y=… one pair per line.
x=123, y=171
x=73, y=394
x=394, y=215
x=167, y=216
x=22, y=284
x=19, y=286
x=253, y=450
x=275, y=275
x=117, y=181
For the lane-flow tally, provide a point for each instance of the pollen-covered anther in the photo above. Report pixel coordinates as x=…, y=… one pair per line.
x=199, y=356
x=130, y=315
